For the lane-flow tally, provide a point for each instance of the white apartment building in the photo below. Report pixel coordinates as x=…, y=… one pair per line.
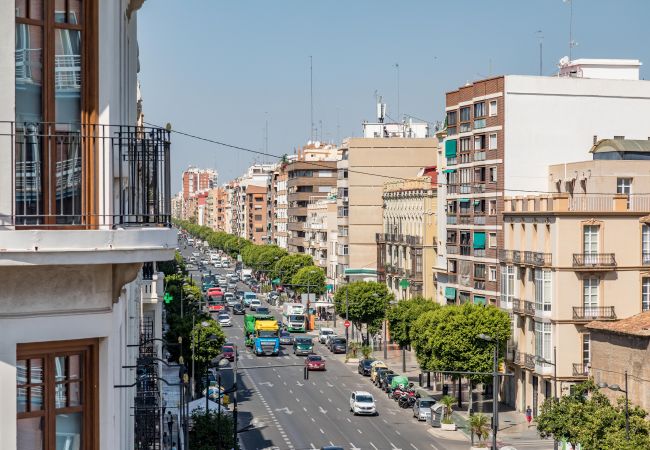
x=77, y=244
x=320, y=235
x=502, y=134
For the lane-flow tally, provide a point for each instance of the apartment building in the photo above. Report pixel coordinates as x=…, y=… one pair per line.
x=279, y=205
x=78, y=238
x=571, y=258
x=407, y=244
x=503, y=132
x=215, y=208
x=365, y=165
x=177, y=206
x=310, y=176
x=320, y=234
x=256, y=220
x=198, y=180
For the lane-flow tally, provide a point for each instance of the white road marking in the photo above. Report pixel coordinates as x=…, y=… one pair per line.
x=290, y=391
x=312, y=419
x=304, y=409
x=338, y=409
x=321, y=391
x=359, y=431
x=284, y=382
x=299, y=383
x=398, y=433
x=373, y=446
x=414, y=447
x=324, y=411
x=297, y=399
x=329, y=384
x=330, y=400
x=312, y=445
x=348, y=419
x=385, y=421
x=392, y=445
x=321, y=431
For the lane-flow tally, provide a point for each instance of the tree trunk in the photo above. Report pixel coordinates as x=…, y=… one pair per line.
x=460, y=392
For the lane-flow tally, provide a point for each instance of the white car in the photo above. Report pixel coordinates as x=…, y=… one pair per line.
x=324, y=332
x=224, y=320
x=217, y=264
x=254, y=304
x=196, y=254
x=362, y=402
x=230, y=299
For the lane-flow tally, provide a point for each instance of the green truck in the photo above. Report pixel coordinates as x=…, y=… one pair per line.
x=249, y=326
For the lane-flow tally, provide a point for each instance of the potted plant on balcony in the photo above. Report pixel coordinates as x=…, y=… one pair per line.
x=447, y=423
x=479, y=425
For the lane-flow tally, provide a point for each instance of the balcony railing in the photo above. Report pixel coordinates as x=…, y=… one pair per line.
x=645, y=259
x=538, y=258
x=594, y=260
x=452, y=220
x=61, y=170
x=580, y=370
x=510, y=256
x=524, y=307
x=479, y=220
x=452, y=278
x=594, y=313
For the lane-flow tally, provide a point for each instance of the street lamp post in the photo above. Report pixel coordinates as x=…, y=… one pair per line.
x=495, y=386
x=539, y=359
x=616, y=387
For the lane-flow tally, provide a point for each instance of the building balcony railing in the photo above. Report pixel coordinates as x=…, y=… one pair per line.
x=523, y=307
x=398, y=239
x=538, y=259
x=645, y=259
x=589, y=313
x=452, y=220
x=479, y=220
x=465, y=220
x=580, y=370
x=57, y=175
x=523, y=359
x=599, y=261
x=510, y=256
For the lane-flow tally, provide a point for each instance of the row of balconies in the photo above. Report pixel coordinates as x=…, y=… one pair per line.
x=533, y=363
x=526, y=258
x=580, y=313
x=398, y=239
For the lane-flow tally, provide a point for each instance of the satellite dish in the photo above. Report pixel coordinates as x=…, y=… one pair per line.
x=564, y=61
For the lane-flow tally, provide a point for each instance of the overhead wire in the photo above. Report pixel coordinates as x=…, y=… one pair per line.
x=380, y=175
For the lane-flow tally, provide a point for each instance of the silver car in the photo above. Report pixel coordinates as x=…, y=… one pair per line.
x=422, y=408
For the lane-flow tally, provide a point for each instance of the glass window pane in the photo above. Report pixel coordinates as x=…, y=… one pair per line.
x=67, y=75
x=59, y=11
x=21, y=400
x=59, y=368
x=21, y=8
x=29, y=73
x=68, y=431
x=60, y=395
x=21, y=371
x=30, y=434
x=36, y=9
x=74, y=368
x=36, y=370
x=36, y=396
x=75, y=393
x=74, y=11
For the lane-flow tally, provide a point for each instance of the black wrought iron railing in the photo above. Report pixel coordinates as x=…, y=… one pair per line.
x=594, y=260
x=594, y=313
x=580, y=370
x=87, y=175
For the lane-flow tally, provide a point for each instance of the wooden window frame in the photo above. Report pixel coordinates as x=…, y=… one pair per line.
x=89, y=101
x=89, y=363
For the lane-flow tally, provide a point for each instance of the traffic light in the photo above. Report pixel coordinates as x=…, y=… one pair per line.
x=167, y=297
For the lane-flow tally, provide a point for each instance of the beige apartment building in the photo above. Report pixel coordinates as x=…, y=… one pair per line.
x=320, y=235
x=571, y=258
x=256, y=222
x=365, y=165
x=279, y=204
x=215, y=209
x=407, y=246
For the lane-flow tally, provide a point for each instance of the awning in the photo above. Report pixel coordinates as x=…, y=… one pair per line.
x=479, y=300
x=477, y=202
x=479, y=240
x=330, y=287
x=449, y=171
x=450, y=293
x=464, y=200
x=450, y=148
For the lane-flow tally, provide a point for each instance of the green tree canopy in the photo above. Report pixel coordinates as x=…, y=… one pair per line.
x=447, y=338
x=286, y=267
x=312, y=276
x=586, y=417
x=208, y=338
x=402, y=316
x=203, y=435
x=367, y=302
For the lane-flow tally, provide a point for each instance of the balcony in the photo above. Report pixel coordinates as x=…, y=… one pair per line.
x=452, y=278
x=588, y=313
x=538, y=259
x=510, y=256
x=523, y=359
x=594, y=261
x=581, y=370
x=59, y=189
x=523, y=307
x=465, y=220
x=645, y=259
x=479, y=220
x=452, y=220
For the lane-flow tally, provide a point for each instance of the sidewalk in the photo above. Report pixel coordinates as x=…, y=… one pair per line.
x=513, y=428
x=172, y=399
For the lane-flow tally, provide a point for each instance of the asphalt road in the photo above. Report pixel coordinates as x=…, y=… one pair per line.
x=281, y=410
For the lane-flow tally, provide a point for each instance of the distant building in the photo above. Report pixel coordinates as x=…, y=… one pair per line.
x=310, y=176
x=502, y=133
x=320, y=235
x=279, y=205
x=197, y=180
x=384, y=129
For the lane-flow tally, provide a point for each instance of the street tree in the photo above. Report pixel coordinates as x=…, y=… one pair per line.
x=309, y=279
x=269, y=256
x=286, y=267
x=402, y=315
x=366, y=303
x=203, y=434
x=208, y=338
x=585, y=416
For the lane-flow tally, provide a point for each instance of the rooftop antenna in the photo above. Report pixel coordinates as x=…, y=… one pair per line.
x=311, y=97
x=397, y=70
x=540, y=38
x=572, y=43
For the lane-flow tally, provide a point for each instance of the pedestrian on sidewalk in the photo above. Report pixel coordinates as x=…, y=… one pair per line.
x=529, y=415
x=170, y=422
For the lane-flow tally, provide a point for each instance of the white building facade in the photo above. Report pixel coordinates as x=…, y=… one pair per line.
x=78, y=243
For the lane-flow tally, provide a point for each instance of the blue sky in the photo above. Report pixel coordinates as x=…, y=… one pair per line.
x=220, y=69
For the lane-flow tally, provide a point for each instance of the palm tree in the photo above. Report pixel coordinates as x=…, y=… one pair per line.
x=480, y=426
x=447, y=402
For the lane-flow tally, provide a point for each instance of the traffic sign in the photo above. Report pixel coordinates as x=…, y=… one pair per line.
x=346, y=324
